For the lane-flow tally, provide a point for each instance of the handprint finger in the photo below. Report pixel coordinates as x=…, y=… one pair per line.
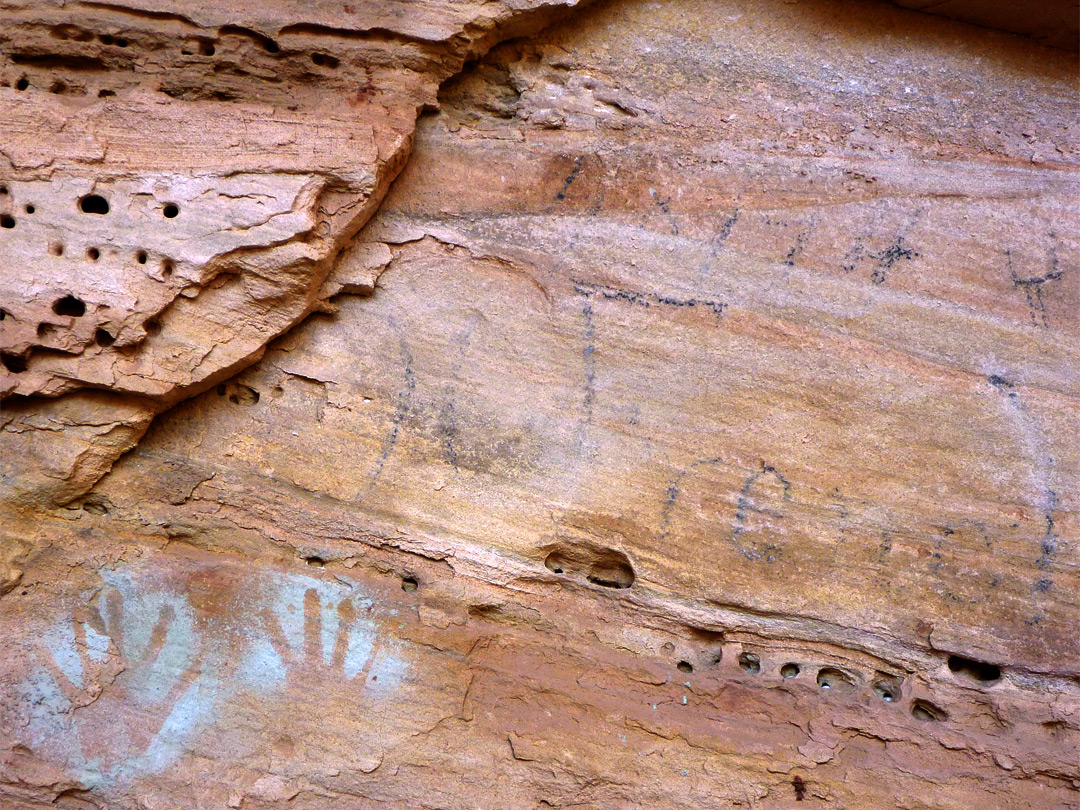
x=275, y=635
x=312, y=626
x=365, y=672
x=159, y=634
x=72, y=675
x=114, y=609
x=346, y=617
x=94, y=617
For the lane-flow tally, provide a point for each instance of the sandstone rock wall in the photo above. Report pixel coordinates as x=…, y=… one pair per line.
x=692, y=422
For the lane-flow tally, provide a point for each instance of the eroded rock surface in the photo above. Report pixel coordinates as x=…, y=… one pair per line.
x=693, y=424
x=179, y=184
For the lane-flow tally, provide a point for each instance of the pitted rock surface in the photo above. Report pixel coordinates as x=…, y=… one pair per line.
x=522, y=404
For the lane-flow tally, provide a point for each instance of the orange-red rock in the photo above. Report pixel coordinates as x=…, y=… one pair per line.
x=693, y=424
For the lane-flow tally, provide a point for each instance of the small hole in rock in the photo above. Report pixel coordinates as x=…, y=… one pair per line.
x=56, y=249
x=553, y=563
x=104, y=93
x=29, y=208
x=106, y=39
x=121, y=43
x=22, y=84
x=749, y=662
x=93, y=254
x=3, y=314
x=684, y=666
x=167, y=268
x=887, y=687
x=69, y=306
x=207, y=48
x=241, y=394
x=922, y=710
x=832, y=679
x=152, y=326
x=170, y=211
x=605, y=567
x=13, y=363
x=3, y=190
x=221, y=389
x=271, y=46
x=94, y=204
x=976, y=670
x=7, y=221
x=140, y=257
x=709, y=642
x=95, y=507
x=610, y=579
x=104, y=338
x=789, y=670
x=45, y=329
x=409, y=584
x=57, y=87
x=317, y=562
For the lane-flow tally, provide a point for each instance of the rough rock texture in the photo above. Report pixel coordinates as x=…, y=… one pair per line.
x=180, y=182
x=694, y=424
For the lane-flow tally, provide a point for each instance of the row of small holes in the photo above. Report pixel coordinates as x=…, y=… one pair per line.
x=751, y=664
x=90, y=204
x=93, y=254
x=206, y=47
x=65, y=32
x=58, y=87
x=142, y=257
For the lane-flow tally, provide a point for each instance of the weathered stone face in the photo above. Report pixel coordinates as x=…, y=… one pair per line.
x=180, y=185
x=692, y=424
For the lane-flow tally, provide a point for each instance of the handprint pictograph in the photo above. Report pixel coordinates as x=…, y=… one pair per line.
x=315, y=647
x=121, y=685
x=124, y=682
x=320, y=633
